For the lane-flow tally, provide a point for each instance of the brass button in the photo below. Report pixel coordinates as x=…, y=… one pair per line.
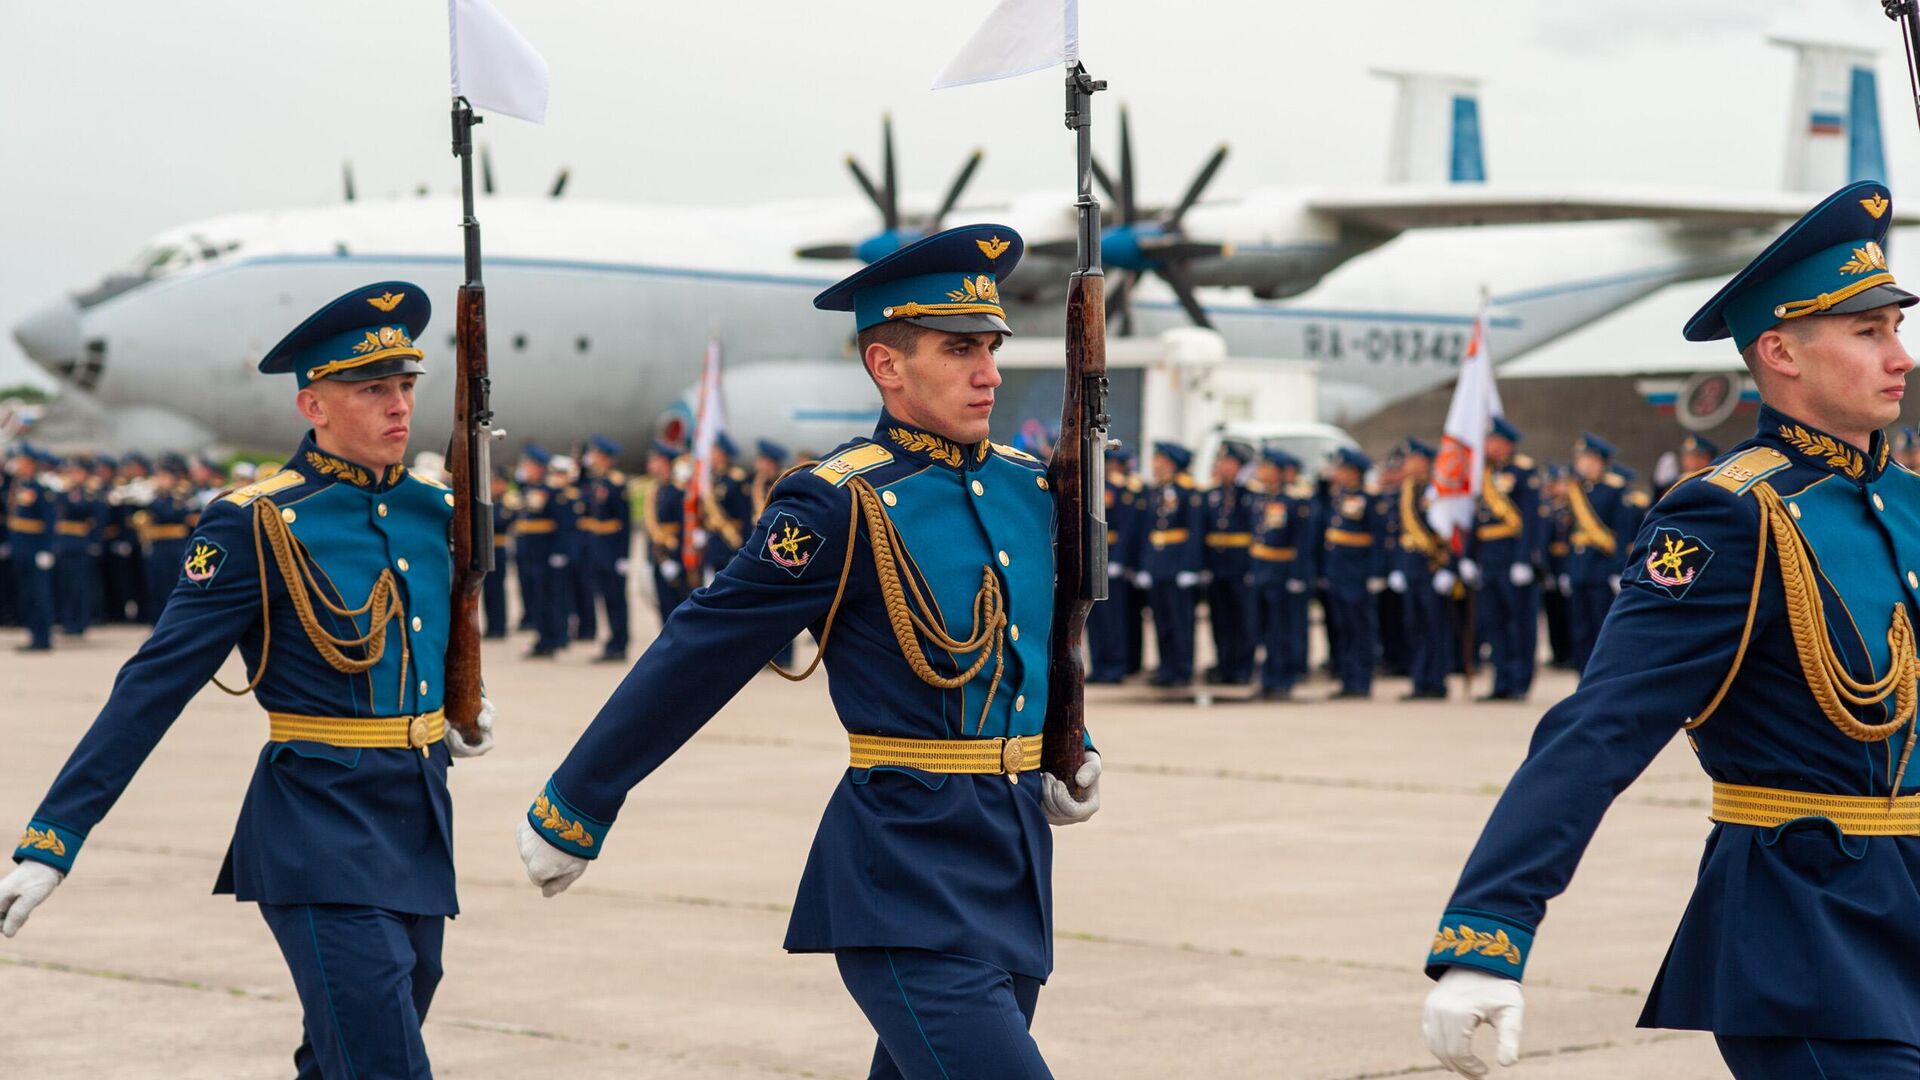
x=380, y=509
x=979, y=488
x=1877, y=504
x=287, y=515
x=423, y=687
x=449, y=497
x=417, y=624
x=417, y=733
x=1913, y=580
x=1042, y=481
x=1020, y=703
x=1010, y=759
x=889, y=498
x=1794, y=509
x=402, y=564
x=1003, y=559
x=1014, y=631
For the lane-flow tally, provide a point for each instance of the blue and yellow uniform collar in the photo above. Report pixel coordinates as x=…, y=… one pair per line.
x=918, y=444
x=1830, y=262
x=1829, y=453
x=949, y=281
x=366, y=334
x=321, y=467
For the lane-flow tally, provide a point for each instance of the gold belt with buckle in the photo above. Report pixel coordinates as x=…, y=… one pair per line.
x=361, y=732
x=1856, y=815
x=1007, y=757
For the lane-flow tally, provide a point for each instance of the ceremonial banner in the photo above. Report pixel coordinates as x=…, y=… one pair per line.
x=1457, y=473
x=494, y=68
x=710, y=419
x=1019, y=36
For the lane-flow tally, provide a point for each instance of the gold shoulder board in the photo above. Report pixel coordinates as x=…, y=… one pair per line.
x=278, y=482
x=851, y=462
x=1739, y=473
x=1012, y=453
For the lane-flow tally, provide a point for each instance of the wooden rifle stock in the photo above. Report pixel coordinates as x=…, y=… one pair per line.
x=1077, y=475
x=472, y=527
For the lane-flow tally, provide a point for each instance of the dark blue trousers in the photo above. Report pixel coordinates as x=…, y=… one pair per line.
x=549, y=598
x=365, y=978
x=943, y=1017
x=1230, y=617
x=1586, y=611
x=73, y=585
x=1274, y=611
x=1429, y=626
x=579, y=577
x=1510, y=622
x=1173, y=618
x=1793, y=1058
x=1351, y=607
x=33, y=592
x=1107, y=633
x=611, y=585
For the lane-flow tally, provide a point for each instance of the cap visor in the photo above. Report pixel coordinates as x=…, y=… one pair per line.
x=1878, y=296
x=981, y=323
x=379, y=369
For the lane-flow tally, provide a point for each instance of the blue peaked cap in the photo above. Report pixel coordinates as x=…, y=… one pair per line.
x=1830, y=262
x=366, y=334
x=1174, y=452
x=1594, y=443
x=1421, y=447
x=664, y=448
x=1348, y=455
x=604, y=445
x=1505, y=429
x=767, y=448
x=1695, y=444
x=949, y=281
x=537, y=454
x=1279, y=458
x=725, y=445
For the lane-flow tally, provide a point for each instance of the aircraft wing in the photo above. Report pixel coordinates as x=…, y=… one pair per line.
x=1397, y=210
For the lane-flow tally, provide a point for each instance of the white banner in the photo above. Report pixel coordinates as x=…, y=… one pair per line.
x=1019, y=36
x=494, y=68
x=709, y=420
x=1457, y=473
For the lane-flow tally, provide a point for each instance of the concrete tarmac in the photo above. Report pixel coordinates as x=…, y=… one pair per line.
x=1255, y=898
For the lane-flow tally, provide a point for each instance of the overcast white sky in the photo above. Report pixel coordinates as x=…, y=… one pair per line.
x=121, y=118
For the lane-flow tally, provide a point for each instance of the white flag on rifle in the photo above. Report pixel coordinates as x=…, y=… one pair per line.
x=494, y=68
x=1458, y=472
x=1019, y=36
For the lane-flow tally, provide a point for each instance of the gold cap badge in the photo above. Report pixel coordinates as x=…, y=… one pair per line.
x=1877, y=205
x=391, y=300
x=997, y=247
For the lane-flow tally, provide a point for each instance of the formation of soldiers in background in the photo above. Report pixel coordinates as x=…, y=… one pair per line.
x=88, y=540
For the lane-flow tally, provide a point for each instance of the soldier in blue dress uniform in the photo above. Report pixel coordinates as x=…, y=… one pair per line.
x=164, y=525
x=728, y=506
x=930, y=876
x=1767, y=610
x=1281, y=568
x=1509, y=550
x=666, y=512
x=1594, y=545
x=1172, y=557
x=1229, y=540
x=1353, y=563
x=540, y=538
x=1107, y=623
x=607, y=527
x=1422, y=574
x=31, y=515
x=76, y=543
x=493, y=596
x=345, y=835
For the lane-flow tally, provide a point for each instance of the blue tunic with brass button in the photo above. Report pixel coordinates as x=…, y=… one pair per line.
x=952, y=863
x=1767, y=609
x=321, y=823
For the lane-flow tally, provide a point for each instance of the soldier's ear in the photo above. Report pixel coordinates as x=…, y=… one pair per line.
x=1772, y=355
x=884, y=364
x=312, y=409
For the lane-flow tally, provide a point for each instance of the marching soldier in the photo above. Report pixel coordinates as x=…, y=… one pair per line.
x=493, y=597
x=1107, y=622
x=929, y=878
x=1593, y=546
x=31, y=516
x=344, y=838
x=1281, y=561
x=540, y=535
x=1229, y=539
x=666, y=512
x=608, y=529
x=1354, y=566
x=1423, y=577
x=1767, y=610
x=1510, y=536
x=1171, y=559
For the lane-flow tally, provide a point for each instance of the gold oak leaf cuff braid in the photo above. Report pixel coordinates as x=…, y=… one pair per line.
x=905, y=603
x=296, y=569
x=1828, y=679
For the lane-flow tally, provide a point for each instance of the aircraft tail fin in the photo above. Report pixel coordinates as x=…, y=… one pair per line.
x=1833, y=121
x=1436, y=130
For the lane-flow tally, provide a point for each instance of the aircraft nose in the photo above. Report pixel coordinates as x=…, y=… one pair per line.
x=50, y=334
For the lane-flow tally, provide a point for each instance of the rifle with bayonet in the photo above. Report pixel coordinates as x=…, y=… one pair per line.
x=1077, y=471
x=469, y=456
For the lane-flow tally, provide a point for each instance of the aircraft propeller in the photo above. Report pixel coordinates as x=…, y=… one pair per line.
x=895, y=232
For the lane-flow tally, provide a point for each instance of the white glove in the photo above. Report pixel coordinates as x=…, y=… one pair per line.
x=1143, y=580
x=1444, y=581
x=1059, y=804
x=1470, y=573
x=44, y=560
x=1566, y=585
x=670, y=570
x=1464, y=999
x=1376, y=585
x=30, y=883
x=1613, y=582
x=1186, y=579
x=1397, y=581
x=1521, y=574
x=1115, y=570
x=1296, y=586
x=558, y=562
x=547, y=866
x=457, y=744
x=620, y=566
